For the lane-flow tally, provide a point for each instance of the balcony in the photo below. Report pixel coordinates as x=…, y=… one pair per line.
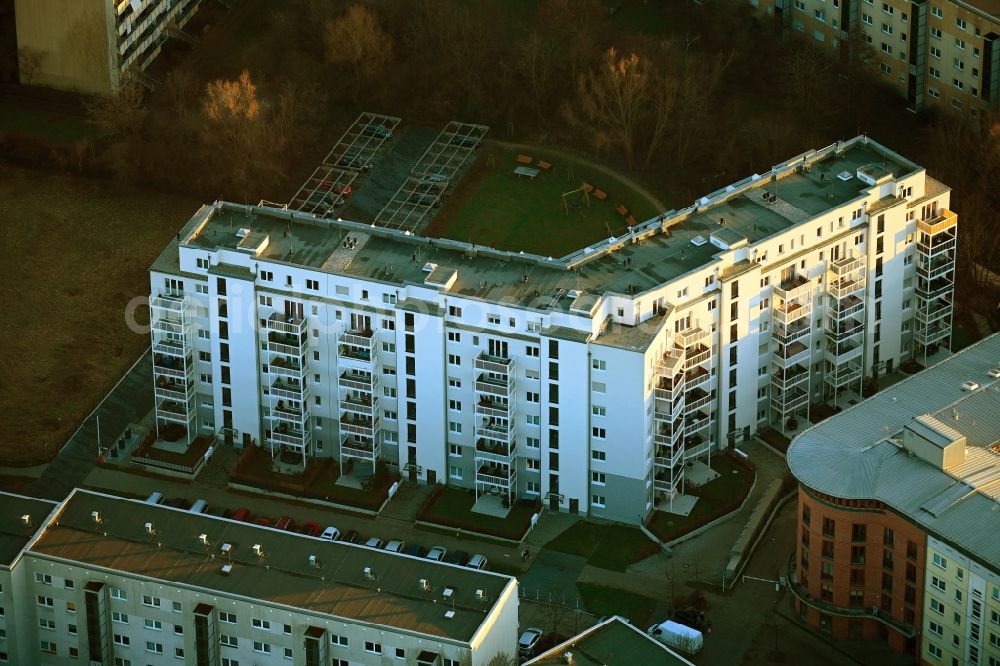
x=356, y=349
x=500, y=476
x=494, y=408
x=168, y=365
x=789, y=401
x=362, y=449
x=938, y=224
x=930, y=311
x=286, y=324
x=697, y=377
x=841, y=352
x=282, y=413
x=843, y=375
x=356, y=425
x=669, y=411
x=846, y=307
x=175, y=411
x=931, y=334
x=841, y=330
x=670, y=363
x=933, y=268
x=936, y=246
x=789, y=355
x=696, y=399
x=494, y=385
x=667, y=456
x=286, y=345
x=668, y=435
x=847, y=265
x=668, y=388
x=787, y=313
x=668, y=481
x=168, y=326
x=296, y=437
x=493, y=364
x=689, y=337
x=501, y=432
x=291, y=368
x=788, y=333
x=934, y=288
x=695, y=422
x=358, y=381
x=796, y=287
x=787, y=378
x=169, y=304
x=695, y=446
x=696, y=356
x=495, y=453
x=171, y=347
x=169, y=388
x=844, y=287
x=360, y=407
x=289, y=390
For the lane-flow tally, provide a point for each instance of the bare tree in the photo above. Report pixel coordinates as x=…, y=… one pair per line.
x=118, y=116
x=29, y=60
x=661, y=109
x=502, y=659
x=534, y=57
x=807, y=75
x=614, y=98
x=234, y=112
x=358, y=40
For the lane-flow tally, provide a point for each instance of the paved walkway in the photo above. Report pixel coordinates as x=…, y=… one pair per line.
x=128, y=401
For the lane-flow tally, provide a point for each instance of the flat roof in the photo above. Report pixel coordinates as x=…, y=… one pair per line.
x=16, y=530
x=611, y=643
x=337, y=586
x=743, y=210
x=857, y=454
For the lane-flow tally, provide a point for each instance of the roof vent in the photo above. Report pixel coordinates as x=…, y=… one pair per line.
x=698, y=241
x=96, y=516
x=226, y=547
x=568, y=658
x=448, y=591
x=449, y=614
x=226, y=569
x=425, y=585
x=26, y=519
x=150, y=529
x=314, y=562
x=970, y=386
x=430, y=267
x=845, y=176
x=243, y=232
x=258, y=550
x=480, y=595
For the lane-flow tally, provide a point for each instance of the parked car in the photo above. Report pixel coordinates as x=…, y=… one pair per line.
x=154, y=498
x=690, y=616
x=310, y=528
x=377, y=130
x=375, y=542
x=677, y=636
x=528, y=641
x=437, y=553
x=459, y=557
x=285, y=523
x=477, y=561
x=351, y=536
x=330, y=534
x=242, y=513
x=199, y=506
x=263, y=521
x=433, y=178
x=395, y=546
x=415, y=549
x=177, y=503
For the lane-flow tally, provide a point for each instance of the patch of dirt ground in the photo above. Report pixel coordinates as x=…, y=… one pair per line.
x=74, y=252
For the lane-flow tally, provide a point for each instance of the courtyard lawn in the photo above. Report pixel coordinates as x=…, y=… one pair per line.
x=452, y=508
x=602, y=601
x=605, y=545
x=715, y=499
x=492, y=206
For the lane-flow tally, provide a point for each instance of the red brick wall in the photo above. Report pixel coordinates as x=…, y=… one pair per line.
x=874, y=518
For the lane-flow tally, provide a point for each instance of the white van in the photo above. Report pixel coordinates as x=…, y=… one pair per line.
x=154, y=498
x=199, y=506
x=677, y=636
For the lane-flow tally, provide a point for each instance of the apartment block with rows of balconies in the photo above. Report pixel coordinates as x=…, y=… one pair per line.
x=933, y=52
x=587, y=381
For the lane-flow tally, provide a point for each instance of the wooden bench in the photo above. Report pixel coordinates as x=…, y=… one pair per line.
x=525, y=159
x=587, y=186
x=542, y=164
x=601, y=195
x=622, y=210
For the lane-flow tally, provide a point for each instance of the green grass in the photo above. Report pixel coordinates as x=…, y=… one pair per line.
x=18, y=115
x=716, y=498
x=495, y=207
x=602, y=601
x=608, y=546
x=453, y=508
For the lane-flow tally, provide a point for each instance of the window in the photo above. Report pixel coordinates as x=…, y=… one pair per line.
x=934, y=650
x=454, y=359
x=153, y=602
x=532, y=396
x=936, y=12
x=46, y=623
x=226, y=661
x=374, y=648
x=454, y=311
x=288, y=653
x=598, y=478
x=934, y=72
x=935, y=52
x=178, y=607
x=154, y=625
x=598, y=433
x=961, y=24
x=598, y=501
x=598, y=364
x=455, y=427
x=45, y=601
x=939, y=561
x=400, y=653
x=455, y=472
x=455, y=405
x=598, y=410
x=44, y=579
x=312, y=284
x=829, y=527
x=48, y=647
x=938, y=583
x=155, y=648
x=455, y=450
x=261, y=647
x=118, y=593
x=888, y=9
x=120, y=618
x=886, y=69
x=886, y=28
x=532, y=419
x=229, y=641
x=867, y=18
x=937, y=606
x=260, y=624
x=119, y=639
x=859, y=532
x=935, y=32
x=229, y=618
x=339, y=641
x=598, y=456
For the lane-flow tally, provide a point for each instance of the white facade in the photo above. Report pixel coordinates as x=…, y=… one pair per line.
x=586, y=381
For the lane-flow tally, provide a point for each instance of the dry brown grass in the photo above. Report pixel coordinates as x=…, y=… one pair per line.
x=73, y=253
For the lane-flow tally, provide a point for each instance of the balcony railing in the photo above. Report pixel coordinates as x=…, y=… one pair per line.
x=365, y=408
x=352, y=447
x=935, y=246
x=787, y=378
x=171, y=390
x=668, y=388
x=496, y=431
x=667, y=483
x=289, y=390
x=169, y=326
x=696, y=356
x=844, y=287
x=286, y=324
x=843, y=375
x=788, y=401
x=669, y=435
x=169, y=366
x=697, y=377
x=934, y=288
x=284, y=348
x=500, y=476
x=171, y=347
x=841, y=330
x=668, y=411
x=944, y=221
x=791, y=355
x=696, y=399
x=670, y=363
x=358, y=381
x=787, y=313
x=929, y=311
x=502, y=409
x=689, y=337
x=497, y=453
x=796, y=287
x=931, y=334
x=174, y=304
x=786, y=334
x=695, y=422
x=286, y=368
x=359, y=426
x=495, y=364
x=489, y=384
x=667, y=456
x=840, y=352
x=844, y=308
x=847, y=265
x=292, y=436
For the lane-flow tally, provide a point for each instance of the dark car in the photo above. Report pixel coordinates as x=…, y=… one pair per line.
x=286, y=523
x=310, y=528
x=177, y=503
x=691, y=617
x=415, y=549
x=241, y=513
x=263, y=521
x=351, y=536
x=459, y=557
x=377, y=130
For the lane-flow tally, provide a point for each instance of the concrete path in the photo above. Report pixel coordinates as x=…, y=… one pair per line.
x=128, y=401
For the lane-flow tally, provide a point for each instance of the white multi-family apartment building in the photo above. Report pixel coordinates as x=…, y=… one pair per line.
x=586, y=380
x=105, y=580
x=95, y=46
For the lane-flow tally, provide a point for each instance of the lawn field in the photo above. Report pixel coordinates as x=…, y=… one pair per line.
x=74, y=253
x=606, y=545
x=492, y=206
